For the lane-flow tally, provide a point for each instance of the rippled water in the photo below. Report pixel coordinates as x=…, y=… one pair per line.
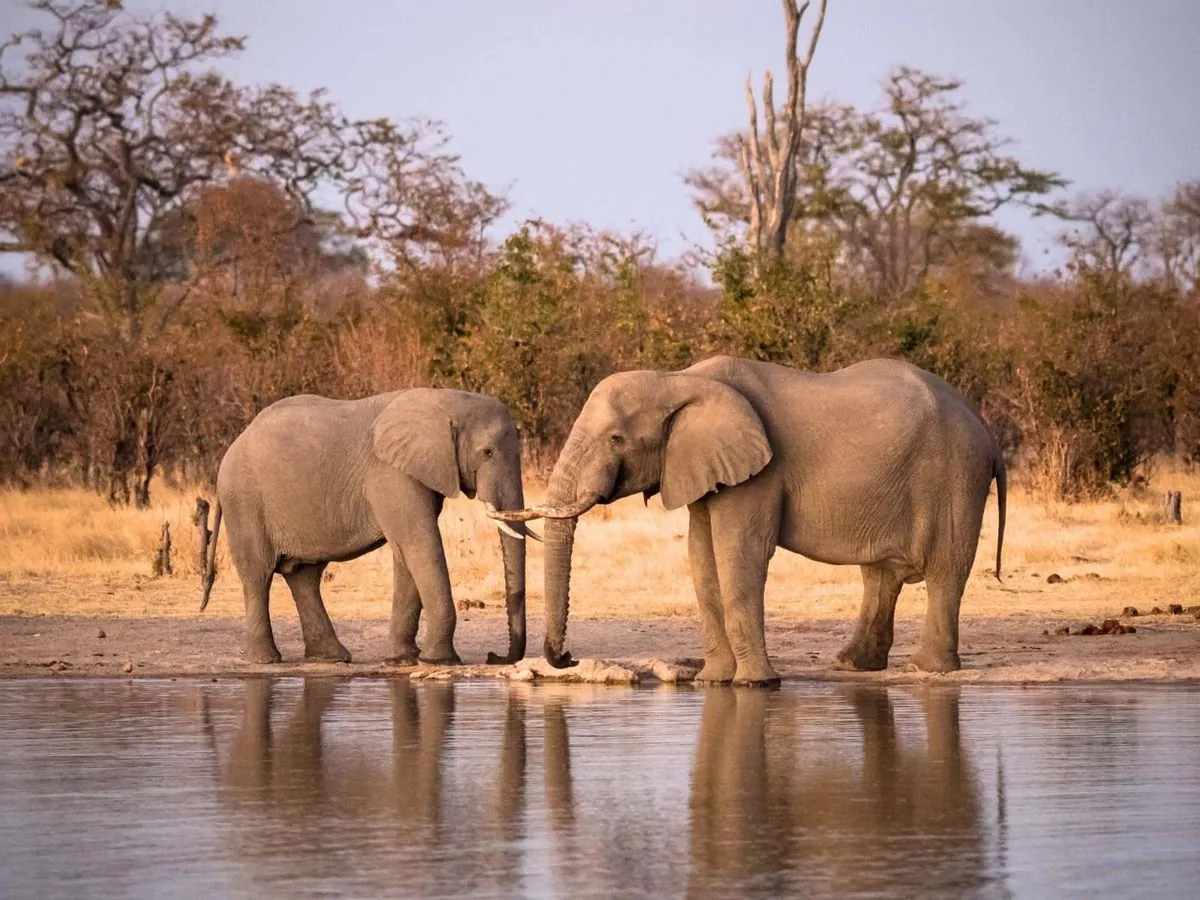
x=294, y=787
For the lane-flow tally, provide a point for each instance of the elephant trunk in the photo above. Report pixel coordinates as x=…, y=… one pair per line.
x=560, y=541
x=512, y=547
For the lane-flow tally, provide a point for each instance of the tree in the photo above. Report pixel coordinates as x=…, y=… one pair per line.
x=900, y=190
x=1175, y=238
x=768, y=162
x=1111, y=232
x=114, y=121
x=118, y=139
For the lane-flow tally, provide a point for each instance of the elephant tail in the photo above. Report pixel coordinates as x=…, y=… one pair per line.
x=1001, y=476
x=208, y=547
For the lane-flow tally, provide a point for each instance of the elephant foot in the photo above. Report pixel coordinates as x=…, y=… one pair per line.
x=327, y=652
x=404, y=656
x=718, y=670
x=863, y=658
x=495, y=659
x=937, y=660
x=445, y=658
x=760, y=674
x=263, y=654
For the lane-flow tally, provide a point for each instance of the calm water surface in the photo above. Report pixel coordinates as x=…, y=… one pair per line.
x=324, y=787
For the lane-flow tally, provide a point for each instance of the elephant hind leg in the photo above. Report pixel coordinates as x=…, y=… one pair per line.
x=320, y=640
x=871, y=643
x=260, y=639
x=254, y=558
x=938, y=651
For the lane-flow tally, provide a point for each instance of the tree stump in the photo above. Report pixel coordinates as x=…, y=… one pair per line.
x=1173, y=507
x=162, y=556
x=203, y=535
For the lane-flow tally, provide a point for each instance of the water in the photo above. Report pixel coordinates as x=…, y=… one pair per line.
x=323, y=787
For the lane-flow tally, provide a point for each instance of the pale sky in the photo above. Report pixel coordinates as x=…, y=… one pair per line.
x=592, y=110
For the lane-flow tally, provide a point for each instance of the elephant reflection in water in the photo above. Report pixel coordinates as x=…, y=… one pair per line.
x=882, y=817
x=299, y=787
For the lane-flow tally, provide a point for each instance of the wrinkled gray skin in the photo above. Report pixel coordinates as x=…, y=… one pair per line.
x=313, y=481
x=880, y=465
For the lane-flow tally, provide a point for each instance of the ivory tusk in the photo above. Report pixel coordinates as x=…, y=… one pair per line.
x=504, y=527
x=529, y=532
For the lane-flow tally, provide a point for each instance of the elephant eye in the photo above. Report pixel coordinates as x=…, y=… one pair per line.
x=616, y=440
x=488, y=452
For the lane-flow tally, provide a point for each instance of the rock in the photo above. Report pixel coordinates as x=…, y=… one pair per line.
x=1045, y=632
x=1194, y=610
x=1092, y=576
x=1063, y=629
x=1110, y=626
x=1129, y=612
x=1128, y=629
x=1054, y=578
x=1157, y=611
x=1175, y=609
x=127, y=668
x=668, y=672
x=464, y=605
x=1089, y=629
x=100, y=634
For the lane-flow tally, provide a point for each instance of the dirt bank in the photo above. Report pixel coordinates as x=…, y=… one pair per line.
x=1009, y=649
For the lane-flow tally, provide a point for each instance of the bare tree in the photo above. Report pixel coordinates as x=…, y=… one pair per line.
x=1110, y=232
x=768, y=161
x=901, y=190
x=1175, y=238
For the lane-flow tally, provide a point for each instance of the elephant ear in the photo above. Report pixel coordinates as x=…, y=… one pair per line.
x=415, y=433
x=715, y=438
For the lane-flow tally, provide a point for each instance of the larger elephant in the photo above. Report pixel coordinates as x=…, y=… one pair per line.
x=880, y=465
x=313, y=481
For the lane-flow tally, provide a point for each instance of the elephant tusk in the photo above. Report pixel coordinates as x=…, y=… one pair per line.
x=513, y=515
x=533, y=534
x=505, y=528
x=574, y=511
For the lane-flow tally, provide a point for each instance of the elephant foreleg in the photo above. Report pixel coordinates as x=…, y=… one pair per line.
x=406, y=613
x=320, y=640
x=742, y=553
x=719, y=664
x=872, y=640
x=421, y=546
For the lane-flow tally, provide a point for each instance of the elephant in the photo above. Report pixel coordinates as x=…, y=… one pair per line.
x=313, y=480
x=880, y=464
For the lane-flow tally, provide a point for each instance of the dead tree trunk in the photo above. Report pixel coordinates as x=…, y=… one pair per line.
x=162, y=556
x=1173, y=507
x=203, y=535
x=768, y=163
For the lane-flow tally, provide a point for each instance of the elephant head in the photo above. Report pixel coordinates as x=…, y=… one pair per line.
x=676, y=434
x=454, y=441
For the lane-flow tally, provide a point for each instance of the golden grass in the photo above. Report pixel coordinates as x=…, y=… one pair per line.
x=66, y=552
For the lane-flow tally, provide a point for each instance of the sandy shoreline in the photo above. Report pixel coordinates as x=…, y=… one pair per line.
x=1012, y=649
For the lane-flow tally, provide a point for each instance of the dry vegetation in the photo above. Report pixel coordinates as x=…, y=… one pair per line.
x=68, y=553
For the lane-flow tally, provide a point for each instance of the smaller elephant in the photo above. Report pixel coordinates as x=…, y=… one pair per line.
x=313, y=481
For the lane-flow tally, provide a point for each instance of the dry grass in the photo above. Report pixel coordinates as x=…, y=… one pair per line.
x=68, y=553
